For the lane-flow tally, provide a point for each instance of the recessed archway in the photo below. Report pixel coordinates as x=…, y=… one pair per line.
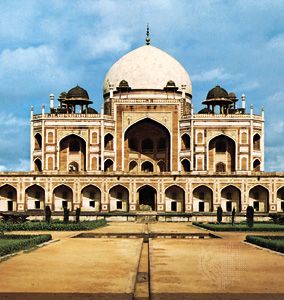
x=256, y=165
x=72, y=150
x=35, y=196
x=202, y=199
x=119, y=198
x=280, y=199
x=222, y=150
x=147, y=140
x=108, y=165
x=174, y=199
x=91, y=198
x=231, y=198
x=259, y=198
x=185, y=163
x=38, y=165
x=63, y=198
x=147, y=196
x=147, y=166
x=8, y=198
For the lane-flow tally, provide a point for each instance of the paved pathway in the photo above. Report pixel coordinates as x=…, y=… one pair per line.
x=195, y=268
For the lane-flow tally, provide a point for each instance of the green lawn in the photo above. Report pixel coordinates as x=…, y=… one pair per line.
x=10, y=243
x=271, y=242
x=241, y=227
x=53, y=226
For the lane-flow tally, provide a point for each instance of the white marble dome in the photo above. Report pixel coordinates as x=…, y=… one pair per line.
x=147, y=67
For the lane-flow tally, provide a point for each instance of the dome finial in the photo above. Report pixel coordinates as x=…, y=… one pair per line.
x=147, y=35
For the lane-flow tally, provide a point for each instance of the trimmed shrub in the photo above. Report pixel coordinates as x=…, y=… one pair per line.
x=10, y=243
x=277, y=218
x=14, y=217
x=275, y=243
x=233, y=216
x=52, y=226
x=78, y=212
x=219, y=214
x=250, y=216
x=66, y=215
x=47, y=214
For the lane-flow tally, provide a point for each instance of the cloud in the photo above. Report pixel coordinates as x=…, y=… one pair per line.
x=277, y=42
x=212, y=75
x=11, y=119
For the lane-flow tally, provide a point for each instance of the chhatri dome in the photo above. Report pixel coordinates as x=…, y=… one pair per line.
x=147, y=68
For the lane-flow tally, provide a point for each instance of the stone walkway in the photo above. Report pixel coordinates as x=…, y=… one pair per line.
x=99, y=268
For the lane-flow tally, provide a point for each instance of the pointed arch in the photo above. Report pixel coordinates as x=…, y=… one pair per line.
x=259, y=198
x=202, y=199
x=280, y=199
x=35, y=197
x=133, y=166
x=185, y=142
x=108, y=141
x=256, y=142
x=119, y=198
x=108, y=165
x=63, y=197
x=231, y=198
x=8, y=198
x=147, y=196
x=185, y=163
x=256, y=165
x=175, y=199
x=147, y=166
x=91, y=198
x=37, y=165
x=38, y=141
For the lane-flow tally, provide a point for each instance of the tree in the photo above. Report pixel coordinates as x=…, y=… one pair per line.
x=66, y=215
x=250, y=216
x=233, y=216
x=47, y=214
x=219, y=214
x=78, y=212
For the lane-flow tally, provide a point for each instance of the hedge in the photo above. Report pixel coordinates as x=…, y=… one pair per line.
x=53, y=226
x=10, y=243
x=275, y=243
x=241, y=227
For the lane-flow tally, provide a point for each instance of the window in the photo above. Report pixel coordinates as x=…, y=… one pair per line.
x=173, y=206
x=37, y=204
x=229, y=205
x=10, y=205
x=220, y=167
x=64, y=204
x=74, y=146
x=256, y=205
x=119, y=205
x=282, y=205
x=92, y=203
x=201, y=206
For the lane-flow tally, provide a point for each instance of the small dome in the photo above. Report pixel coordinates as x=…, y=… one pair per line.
x=77, y=93
x=205, y=111
x=171, y=83
x=147, y=68
x=217, y=93
x=62, y=96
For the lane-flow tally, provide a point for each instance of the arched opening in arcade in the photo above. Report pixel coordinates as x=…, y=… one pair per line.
x=185, y=165
x=108, y=141
x=259, y=198
x=38, y=141
x=63, y=198
x=222, y=154
x=147, y=167
x=256, y=142
x=147, y=196
x=8, y=198
x=133, y=167
x=108, y=165
x=280, y=199
x=91, y=198
x=147, y=140
x=185, y=142
x=256, y=165
x=72, y=153
x=119, y=198
x=202, y=199
x=38, y=165
x=35, y=196
x=230, y=199
x=175, y=199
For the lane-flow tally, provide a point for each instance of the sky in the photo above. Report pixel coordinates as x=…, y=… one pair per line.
x=51, y=46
